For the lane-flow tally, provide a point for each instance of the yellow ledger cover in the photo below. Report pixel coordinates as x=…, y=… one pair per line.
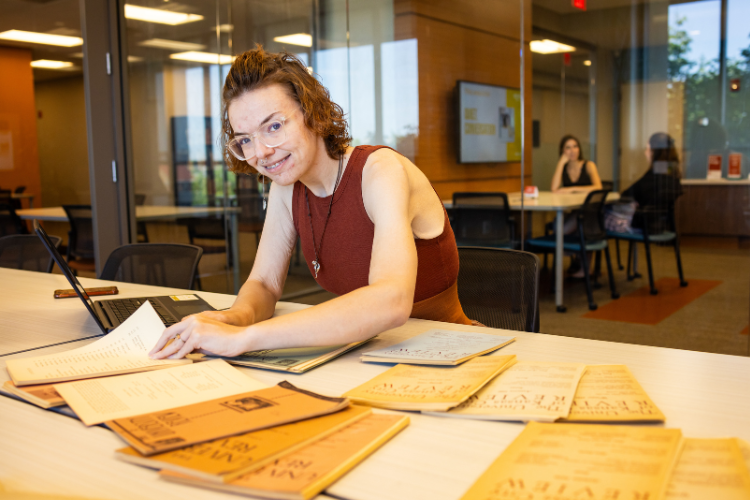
x=529, y=390
x=305, y=473
x=575, y=461
x=436, y=388
x=167, y=430
x=610, y=393
x=710, y=469
x=43, y=395
x=225, y=459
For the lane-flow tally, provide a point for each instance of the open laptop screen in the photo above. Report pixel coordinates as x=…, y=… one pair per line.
x=68, y=273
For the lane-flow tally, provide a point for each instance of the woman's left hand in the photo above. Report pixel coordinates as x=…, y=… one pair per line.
x=199, y=333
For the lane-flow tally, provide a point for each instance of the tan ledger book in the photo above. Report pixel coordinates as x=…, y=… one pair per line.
x=43, y=395
x=101, y=399
x=436, y=388
x=610, y=393
x=576, y=461
x=197, y=423
x=710, y=469
x=294, y=360
x=305, y=473
x=226, y=459
x=529, y=390
x=123, y=350
x=439, y=347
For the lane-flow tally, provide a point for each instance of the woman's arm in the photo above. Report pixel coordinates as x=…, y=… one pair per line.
x=385, y=303
x=557, y=176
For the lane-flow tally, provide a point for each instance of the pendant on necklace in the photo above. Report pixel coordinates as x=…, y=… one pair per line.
x=316, y=268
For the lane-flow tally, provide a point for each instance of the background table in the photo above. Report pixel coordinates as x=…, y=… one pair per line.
x=551, y=202
x=706, y=395
x=153, y=213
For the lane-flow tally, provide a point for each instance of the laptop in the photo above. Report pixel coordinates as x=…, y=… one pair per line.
x=109, y=314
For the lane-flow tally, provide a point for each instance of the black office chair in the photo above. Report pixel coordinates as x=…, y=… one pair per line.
x=482, y=220
x=161, y=264
x=10, y=222
x=499, y=287
x=591, y=237
x=26, y=251
x=141, y=232
x=658, y=227
x=80, y=254
x=19, y=189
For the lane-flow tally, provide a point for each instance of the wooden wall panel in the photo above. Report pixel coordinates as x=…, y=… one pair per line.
x=473, y=41
x=19, y=158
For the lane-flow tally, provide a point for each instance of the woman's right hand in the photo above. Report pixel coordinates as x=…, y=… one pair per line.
x=563, y=159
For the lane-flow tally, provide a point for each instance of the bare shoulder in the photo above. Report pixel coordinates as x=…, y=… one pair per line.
x=385, y=161
x=590, y=165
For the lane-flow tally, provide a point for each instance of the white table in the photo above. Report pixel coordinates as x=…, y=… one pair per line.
x=706, y=395
x=551, y=202
x=153, y=213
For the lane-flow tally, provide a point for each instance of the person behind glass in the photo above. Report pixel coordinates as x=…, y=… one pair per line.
x=660, y=186
x=372, y=228
x=573, y=173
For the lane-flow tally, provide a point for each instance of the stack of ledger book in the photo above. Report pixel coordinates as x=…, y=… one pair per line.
x=577, y=461
x=205, y=424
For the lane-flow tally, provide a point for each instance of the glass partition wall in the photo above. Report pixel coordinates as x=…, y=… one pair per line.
x=613, y=76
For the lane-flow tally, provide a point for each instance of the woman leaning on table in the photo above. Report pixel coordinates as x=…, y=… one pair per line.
x=574, y=174
x=372, y=228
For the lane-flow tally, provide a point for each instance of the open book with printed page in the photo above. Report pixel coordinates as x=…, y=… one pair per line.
x=44, y=395
x=292, y=360
x=226, y=459
x=123, y=350
x=439, y=347
x=304, y=473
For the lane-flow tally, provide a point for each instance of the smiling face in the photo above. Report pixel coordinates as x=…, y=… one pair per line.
x=289, y=161
x=571, y=149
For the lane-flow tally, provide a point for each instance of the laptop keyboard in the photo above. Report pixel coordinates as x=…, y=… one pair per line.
x=123, y=308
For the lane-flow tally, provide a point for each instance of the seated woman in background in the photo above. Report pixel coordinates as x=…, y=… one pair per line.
x=372, y=228
x=573, y=173
x=660, y=186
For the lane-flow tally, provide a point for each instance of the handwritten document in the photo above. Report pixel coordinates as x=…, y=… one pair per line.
x=528, y=390
x=710, y=468
x=576, y=461
x=407, y=387
x=124, y=350
x=98, y=400
x=610, y=393
x=438, y=347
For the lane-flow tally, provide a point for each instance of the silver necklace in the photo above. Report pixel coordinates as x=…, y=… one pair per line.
x=316, y=262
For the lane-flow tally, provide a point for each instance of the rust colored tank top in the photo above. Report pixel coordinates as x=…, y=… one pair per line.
x=346, y=248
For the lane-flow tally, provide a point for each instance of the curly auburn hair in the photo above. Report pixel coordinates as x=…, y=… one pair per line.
x=256, y=69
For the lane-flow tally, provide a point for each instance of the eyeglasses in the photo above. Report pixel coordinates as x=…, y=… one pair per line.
x=271, y=135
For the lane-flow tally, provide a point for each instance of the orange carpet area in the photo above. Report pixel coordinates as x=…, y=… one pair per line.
x=643, y=308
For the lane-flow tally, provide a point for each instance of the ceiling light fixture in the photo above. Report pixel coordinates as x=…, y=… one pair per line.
x=159, y=16
x=42, y=38
x=550, y=47
x=161, y=43
x=203, y=57
x=587, y=63
x=302, y=39
x=47, y=64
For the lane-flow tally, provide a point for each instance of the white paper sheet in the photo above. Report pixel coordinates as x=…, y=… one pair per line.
x=102, y=399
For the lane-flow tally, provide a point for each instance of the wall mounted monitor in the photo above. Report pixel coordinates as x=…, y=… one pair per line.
x=489, y=123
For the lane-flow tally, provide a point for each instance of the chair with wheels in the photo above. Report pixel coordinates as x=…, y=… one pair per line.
x=499, y=287
x=658, y=226
x=161, y=264
x=27, y=252
x=591, y=236
x=482, y=220
x=10, y=222
x=80, y=254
